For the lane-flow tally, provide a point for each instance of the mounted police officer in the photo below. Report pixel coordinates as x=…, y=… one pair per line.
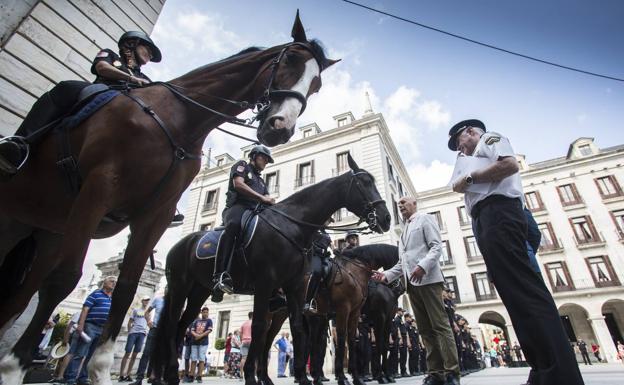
x=352, y=241
x=246, y=189
x=319, y=260
x=135, y=49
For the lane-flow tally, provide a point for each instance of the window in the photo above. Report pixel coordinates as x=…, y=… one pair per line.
x=224, y=324
x=568, y=194
x=220, y=162
x=305, y=174
x=206, y=226
x=608, y=186
x=602, y=271
x=272, y=182
x=390, y=170
x=618, y=219
x=307, y=133
x=395, y=211
x=446, y=258
x=483, y=287
x=585, y=149
x=342, y=214
x=534, y=201
x=401, y=190
x=342, y=122
x=549, y=241
x=584, y=230
x=464, y=219
x=342, y=163
x=472, y=250
x=438, y=218
x=210, y=203
x=451, y=283
x=559, y=276
x=246, y=154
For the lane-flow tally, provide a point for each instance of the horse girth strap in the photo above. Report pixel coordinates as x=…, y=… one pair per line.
x=179, y=153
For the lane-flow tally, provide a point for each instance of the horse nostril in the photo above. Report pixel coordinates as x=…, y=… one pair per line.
x=388, y=218
x=277, y=122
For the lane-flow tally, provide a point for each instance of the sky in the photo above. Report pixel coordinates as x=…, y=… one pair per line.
x=422, y=81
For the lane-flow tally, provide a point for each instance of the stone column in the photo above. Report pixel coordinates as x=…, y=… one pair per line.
x=608, y=351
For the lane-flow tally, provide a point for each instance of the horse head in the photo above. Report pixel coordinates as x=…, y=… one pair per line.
x=292, y=76
x=364, y=200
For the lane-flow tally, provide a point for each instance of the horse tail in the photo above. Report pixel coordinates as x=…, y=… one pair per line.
x=16, y=265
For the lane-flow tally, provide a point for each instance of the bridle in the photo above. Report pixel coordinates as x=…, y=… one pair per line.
x=261, y=106
x=370, y=212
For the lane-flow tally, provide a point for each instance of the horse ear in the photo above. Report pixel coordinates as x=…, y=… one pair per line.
x=330, y=62
x=352, y=164
x=298, y=33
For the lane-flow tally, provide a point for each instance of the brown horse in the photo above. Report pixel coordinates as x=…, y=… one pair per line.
x=135, y=157
x=346, y=293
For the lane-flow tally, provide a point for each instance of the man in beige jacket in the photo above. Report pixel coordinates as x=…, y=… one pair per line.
x=420, y=248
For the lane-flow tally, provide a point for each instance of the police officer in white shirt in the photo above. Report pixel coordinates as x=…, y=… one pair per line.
x=500, y=228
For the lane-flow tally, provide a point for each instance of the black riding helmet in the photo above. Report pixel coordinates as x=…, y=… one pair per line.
x=260, y=149
x=142, y=36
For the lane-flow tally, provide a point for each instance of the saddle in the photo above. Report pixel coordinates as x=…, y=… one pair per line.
x=209, y=243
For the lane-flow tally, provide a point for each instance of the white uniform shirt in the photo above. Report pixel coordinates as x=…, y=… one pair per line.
x=495, y=146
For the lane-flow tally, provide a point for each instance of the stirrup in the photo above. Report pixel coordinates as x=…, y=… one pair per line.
x=20, y=141
x=222, y=285
x=310, y=307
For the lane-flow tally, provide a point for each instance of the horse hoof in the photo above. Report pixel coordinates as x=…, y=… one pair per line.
x=358, y=381
x=390, y=380
x=305, y=381
x=317, y=381
x=381, y=380
x=343, y=381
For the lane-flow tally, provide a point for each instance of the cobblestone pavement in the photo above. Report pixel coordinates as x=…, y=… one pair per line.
x=606, y=374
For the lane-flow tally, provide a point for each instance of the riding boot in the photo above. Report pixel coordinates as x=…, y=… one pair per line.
x=313, y=284
x=222, y=280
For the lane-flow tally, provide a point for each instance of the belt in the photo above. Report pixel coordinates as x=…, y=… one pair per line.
x=476, y=210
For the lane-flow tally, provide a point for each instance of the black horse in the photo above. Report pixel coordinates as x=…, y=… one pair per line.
x=275, y=258
x=381, y=303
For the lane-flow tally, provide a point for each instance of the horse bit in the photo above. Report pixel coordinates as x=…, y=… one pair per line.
x=370, y=212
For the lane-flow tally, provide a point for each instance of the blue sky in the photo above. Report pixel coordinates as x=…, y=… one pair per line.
x=423, y=81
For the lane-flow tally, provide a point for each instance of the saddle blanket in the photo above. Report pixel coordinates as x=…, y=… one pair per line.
x=209, y=243
x=98, y=101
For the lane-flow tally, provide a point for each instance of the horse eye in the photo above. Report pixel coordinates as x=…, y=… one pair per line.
x=292, y=57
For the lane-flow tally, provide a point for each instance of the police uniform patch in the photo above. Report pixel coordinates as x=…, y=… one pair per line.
x=492, y=139
x=240, y=168
x=117, y=63
x=249, y=175
x=102, y=54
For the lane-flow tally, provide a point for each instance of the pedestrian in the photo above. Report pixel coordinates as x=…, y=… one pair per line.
x=414, y=352
x=137, y=330
x=226, y=354
x=518, y=351
x=420, y=248
x=493, y=195
x=188, y=341
x=582, y=347
x=282, y=348
x=69, y=338
x=234, y=357
x=152, y=315
x=596, y=350
x=620, y=351
x=245, y=334
x=93, y=316
x=200, y=329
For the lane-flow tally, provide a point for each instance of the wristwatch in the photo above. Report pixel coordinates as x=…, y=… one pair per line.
x=469, y=179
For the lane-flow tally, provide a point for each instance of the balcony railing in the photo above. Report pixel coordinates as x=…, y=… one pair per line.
x=466, y=222
x=210, y=206
x=588, y=242
x=306, y=180
x=338, y=171
x=486, y=297
x=448, y=262
x=552, y=247
x=475, y=258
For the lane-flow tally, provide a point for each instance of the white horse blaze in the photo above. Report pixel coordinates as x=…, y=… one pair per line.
x=101, y=363
x=291, y=107
x=10, y=370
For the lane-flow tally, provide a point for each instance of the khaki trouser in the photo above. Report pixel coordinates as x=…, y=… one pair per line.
x=433, y=326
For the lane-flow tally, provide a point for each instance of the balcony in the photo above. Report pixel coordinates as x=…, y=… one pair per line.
x=448, y=262
x=273, y=189
x=306, y=180
x=474, y=259
x=588, y=243
x=209, y=207
x=486, y=296
x=551, y=248
x=339, y=171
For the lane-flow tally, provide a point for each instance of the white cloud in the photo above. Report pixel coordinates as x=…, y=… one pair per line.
x=426, y=177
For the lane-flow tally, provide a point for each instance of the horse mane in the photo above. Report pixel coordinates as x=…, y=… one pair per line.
x=379, y=255
x=315, y=45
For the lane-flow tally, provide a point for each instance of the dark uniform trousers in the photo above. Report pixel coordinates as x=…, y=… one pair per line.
x=393, y=356
x=403, y=355
x=232, y=218
x=414, y=357
x=501, y=232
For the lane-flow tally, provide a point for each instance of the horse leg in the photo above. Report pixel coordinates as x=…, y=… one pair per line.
x=277, y=320
x=341, y=332
x=315, y=332
x=298, y=329
x=385, y=335
x=144, y=234
x=351, y=330
x=54, y=288
x=258, y=335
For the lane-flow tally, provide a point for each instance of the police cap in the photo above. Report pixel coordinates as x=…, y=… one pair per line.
x=260, y=149
x=459, y=127
x=142, y=36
